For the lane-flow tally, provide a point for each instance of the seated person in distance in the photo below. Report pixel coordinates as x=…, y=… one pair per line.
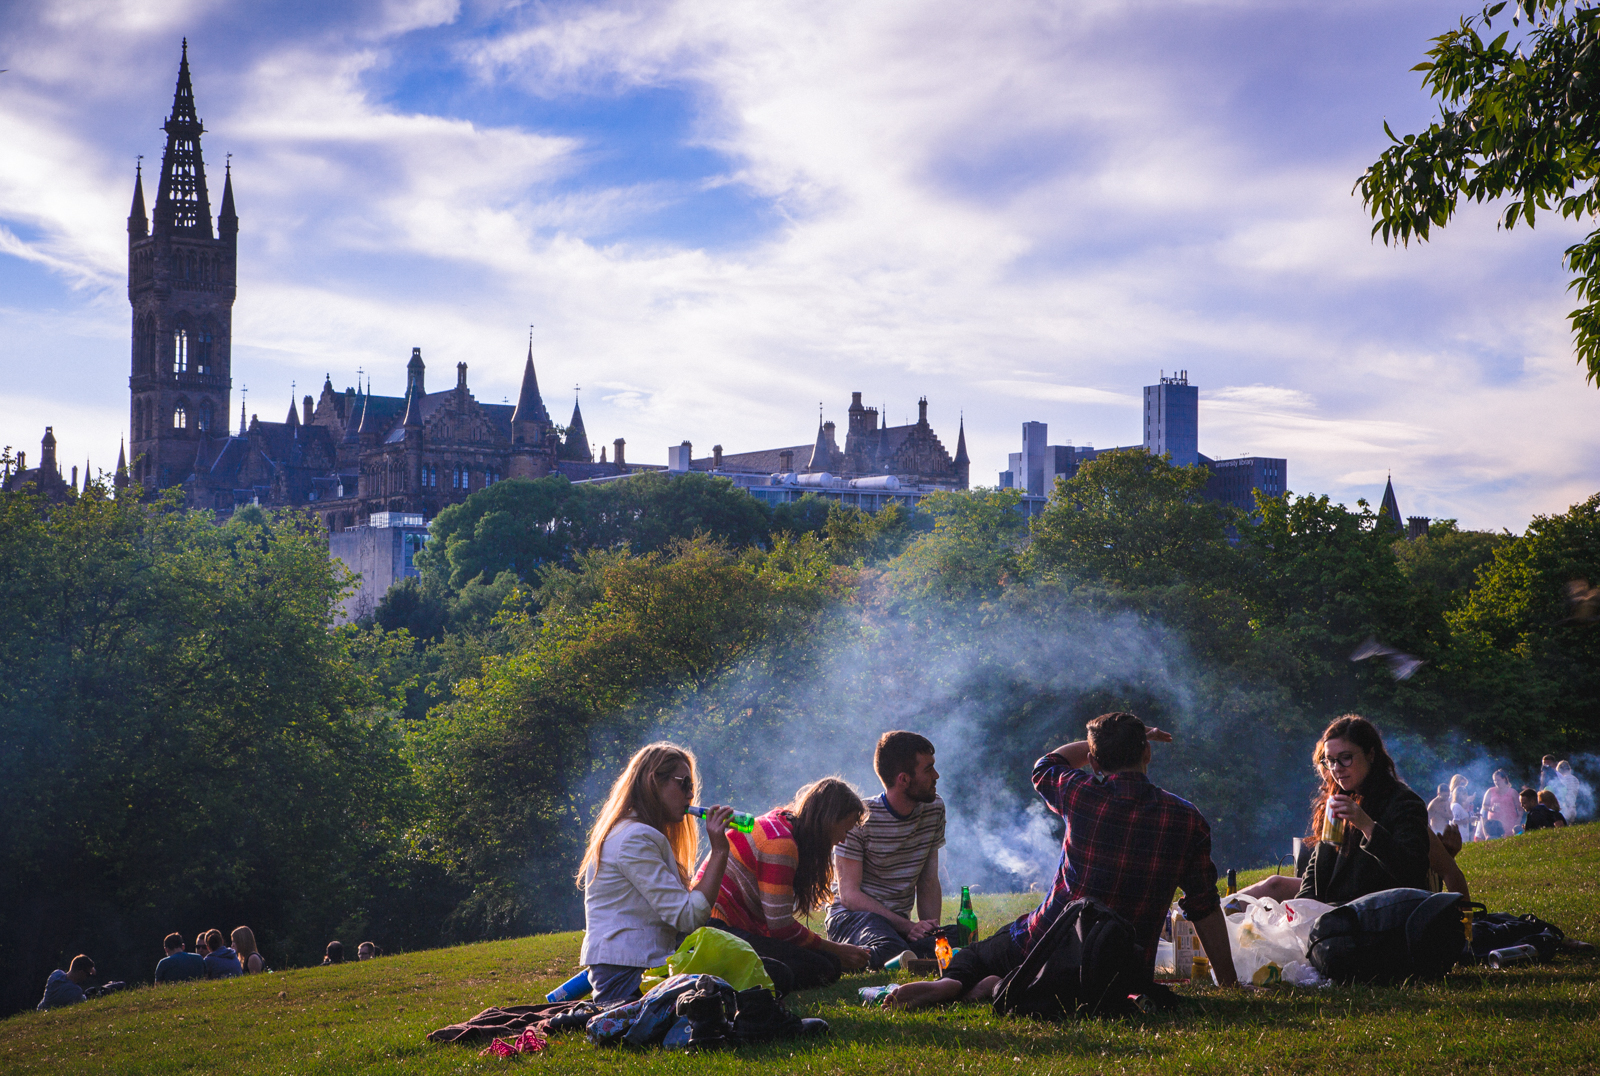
x=333, y=954
x=66, y=987
x=782, y=870
x=891, y=860
x=221, y=962
x=1386, y=840
x=1540, y=815
x=637, y=899
x=179, y=965
x=1128, y=844
x=367, y=951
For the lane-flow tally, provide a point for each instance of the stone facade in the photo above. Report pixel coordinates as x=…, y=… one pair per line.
x=345, y=455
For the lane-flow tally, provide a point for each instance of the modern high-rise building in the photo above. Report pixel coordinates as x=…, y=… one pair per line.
x=1171, y=428
x=1172, y=419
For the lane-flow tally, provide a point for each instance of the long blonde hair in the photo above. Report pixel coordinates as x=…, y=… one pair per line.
x=244, y=943
x=636, y=792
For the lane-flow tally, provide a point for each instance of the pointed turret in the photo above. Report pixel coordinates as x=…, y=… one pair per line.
x=822, y=451
x=86, y=474
x=120, y=479
x=227, y=219
x=414, y=388
x=576, y=447
x=138, y=221
x=530, y=412
x=294, y=414
x=963, y=462
x=1390, y=508
x=182, y=203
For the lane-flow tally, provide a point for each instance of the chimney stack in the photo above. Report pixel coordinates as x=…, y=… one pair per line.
x=617, y=455
x=461, y=377
x=786, y=460
x=306, y=406
x=922, y=411
x=716, y=457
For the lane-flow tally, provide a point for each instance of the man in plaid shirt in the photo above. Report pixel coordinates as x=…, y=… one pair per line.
x=1128, y=843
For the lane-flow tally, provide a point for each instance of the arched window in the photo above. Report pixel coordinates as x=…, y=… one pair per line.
x=180, y=417
x=204, y=420
x=202, y=348
x=180, y=350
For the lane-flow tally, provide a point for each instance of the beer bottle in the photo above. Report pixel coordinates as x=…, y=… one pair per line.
x=740, y=821
x=1233, y=881
x=966, y=918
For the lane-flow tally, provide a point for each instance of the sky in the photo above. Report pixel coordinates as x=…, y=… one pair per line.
x=720, y=215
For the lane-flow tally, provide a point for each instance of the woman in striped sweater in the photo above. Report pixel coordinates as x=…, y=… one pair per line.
x=783, y=869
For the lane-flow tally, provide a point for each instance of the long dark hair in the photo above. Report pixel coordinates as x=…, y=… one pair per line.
x=813, y=813
x=1382, y=776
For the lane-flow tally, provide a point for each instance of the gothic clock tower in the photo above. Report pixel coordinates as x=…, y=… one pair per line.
x=181, y=285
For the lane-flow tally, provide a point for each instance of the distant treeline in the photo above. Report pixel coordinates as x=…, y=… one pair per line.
x=184, y=742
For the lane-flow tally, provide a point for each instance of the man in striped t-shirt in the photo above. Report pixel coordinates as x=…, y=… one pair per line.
x=892, y=861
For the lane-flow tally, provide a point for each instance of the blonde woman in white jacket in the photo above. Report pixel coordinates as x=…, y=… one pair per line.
x=637, y=900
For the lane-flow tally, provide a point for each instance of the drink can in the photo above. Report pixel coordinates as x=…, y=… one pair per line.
x=1515, y=954
x=1333, y=831
x=571, y=990
x=1200, y=970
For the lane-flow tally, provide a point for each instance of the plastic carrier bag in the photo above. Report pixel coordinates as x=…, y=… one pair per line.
x=1268, y=936
x=709, y=951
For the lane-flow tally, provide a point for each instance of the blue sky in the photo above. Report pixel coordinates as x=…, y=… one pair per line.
x=720, y=215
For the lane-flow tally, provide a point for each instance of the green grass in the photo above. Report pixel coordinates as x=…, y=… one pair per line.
x=373, y=1017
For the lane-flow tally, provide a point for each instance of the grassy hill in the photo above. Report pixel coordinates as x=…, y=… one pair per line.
x=373, y=1017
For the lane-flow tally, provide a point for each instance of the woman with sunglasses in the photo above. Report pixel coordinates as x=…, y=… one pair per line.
x=1384, y=844
x=637, y=899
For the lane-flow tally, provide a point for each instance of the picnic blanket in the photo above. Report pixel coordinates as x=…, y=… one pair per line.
x=512, y=1020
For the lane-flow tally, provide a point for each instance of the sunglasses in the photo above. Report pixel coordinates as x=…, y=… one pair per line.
x=685, y=783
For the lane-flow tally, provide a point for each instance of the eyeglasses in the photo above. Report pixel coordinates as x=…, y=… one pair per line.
x=685, y=783
x=1337, y=762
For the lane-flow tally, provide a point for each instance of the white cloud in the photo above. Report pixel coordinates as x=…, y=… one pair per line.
x=1022, y=210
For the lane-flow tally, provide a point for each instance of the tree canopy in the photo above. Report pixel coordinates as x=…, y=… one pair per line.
x=1518, y=118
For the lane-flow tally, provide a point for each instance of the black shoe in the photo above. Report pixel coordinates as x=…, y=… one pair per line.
x=762, y=1018
x=705, y=1005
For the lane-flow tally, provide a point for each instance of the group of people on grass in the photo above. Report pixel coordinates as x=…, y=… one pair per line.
x=213, y=958
x=1503, y=810
x=874, y=864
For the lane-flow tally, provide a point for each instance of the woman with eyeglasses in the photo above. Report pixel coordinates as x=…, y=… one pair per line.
x=1384, y=844
x=637, y=898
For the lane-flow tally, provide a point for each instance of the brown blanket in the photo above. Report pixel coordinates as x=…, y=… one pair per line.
x=514, y=1019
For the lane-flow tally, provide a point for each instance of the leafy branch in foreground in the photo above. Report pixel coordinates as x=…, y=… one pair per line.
x=1522, y=120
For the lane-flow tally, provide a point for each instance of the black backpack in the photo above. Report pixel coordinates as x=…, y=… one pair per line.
x=1500, y=930
x=1087, y=963
x=1389, y=936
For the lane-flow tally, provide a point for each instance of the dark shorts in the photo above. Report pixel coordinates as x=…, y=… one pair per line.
x=996, y=955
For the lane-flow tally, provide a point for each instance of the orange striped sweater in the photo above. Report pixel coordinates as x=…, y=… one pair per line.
x=757, y=891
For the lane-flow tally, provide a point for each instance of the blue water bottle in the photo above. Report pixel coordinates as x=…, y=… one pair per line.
x=573, y=989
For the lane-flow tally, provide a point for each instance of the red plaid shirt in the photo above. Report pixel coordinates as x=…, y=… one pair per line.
x=1128, y=844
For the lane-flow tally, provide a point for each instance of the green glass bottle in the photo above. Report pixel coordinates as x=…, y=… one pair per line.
x=740, y=821
x=966, y=918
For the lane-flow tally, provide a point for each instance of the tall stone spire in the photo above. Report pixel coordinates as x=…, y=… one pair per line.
x=821, y=452
x=576, y=447
x=962, y=461
x=1390, y=508
x=182, y=204
x=530, y=405
x=138, y=221
x=227, y=219
x=414, y=388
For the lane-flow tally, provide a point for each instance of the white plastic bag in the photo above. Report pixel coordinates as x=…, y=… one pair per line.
x=1300, y=973
x=1268, y=932
x=1166, y=960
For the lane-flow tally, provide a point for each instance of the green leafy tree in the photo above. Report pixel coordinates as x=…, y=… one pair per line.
x=808, y=515
x=1131, y=520
x=1527, y=669
x=973, y=551
x=181, y=734
x=1518, y=119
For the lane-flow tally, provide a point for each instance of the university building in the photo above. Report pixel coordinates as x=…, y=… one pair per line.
x=344, y=455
